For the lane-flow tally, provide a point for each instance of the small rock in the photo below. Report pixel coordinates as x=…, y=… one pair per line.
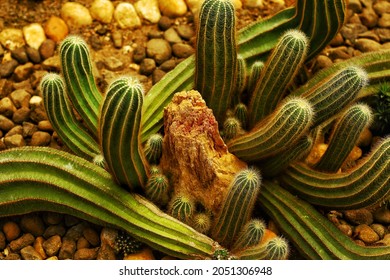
x=56, y=29
x=346, y=229
x=153, y=34
x=5, y=123
x=385, y=240
x=350, y=31
x=23, y=241
x=102, y=10
x=383, y=34
x=106, y=252
x=359, y=216
x=52, y=218
x=147, y=66
x=159, y=50
x=13, y=257
x=7, y=107
x=15, y=130
x=52, y=245
x=52, y=64
x=384, y=21
x=126, y=16
x=148, y=9
x=355, y=6
x=381, y=7
x=76, y=231
x=20, y=55
x=47, y=49
x=181, y=50
x=32, y=224
x=369, y=18
x=92, y=236
x=86, y=254
x=117, y=38
x=171, y=36
x=33, y=55
x=366, y=234
x=113, y=64
x=6, y=87
x=23, y=72
x=68, y=248
x=75, y=15
x=139, y=54
x=379, y=229
x=20, y=98
x=45, y=125
x=38, y=246
x=168, y=65
x=173, y=8
x=71, y=220
x=382, y=215
x=40, y=138
x=53, y=258
x=7, y=68
x=2, y=241
x=34, y=35
x=14, y=141
x=323, y=61
x=367, y=45
x=157, y=75
x=54, y=230
x=108, y=236
x=11, y=230
x=185, y=31
x=83, y=243
x=164, y=23
x=370, y=35
x=12, y=38
x=29, y=253
x=29, y=129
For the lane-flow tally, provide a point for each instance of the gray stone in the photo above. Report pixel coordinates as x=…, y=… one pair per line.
x=171, y=36
x=20, y=55
x=33, y=55
x=159, y=50
x=7, y=68
x=147, y=66
x=185, y=31
x=23, y=72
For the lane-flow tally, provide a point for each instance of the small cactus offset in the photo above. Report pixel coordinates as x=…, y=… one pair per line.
x=153, y=148
x=201, y=222
x=157, y=189
x=216, y=56
x=276, y=248
x=278, y=72
x=119, y=132
x=254, y=75
x=80, y=81
x=182, y=207
x=237, y=206
x=231, y=128
x=345, y=134
x=250, y=235
x=241, y=114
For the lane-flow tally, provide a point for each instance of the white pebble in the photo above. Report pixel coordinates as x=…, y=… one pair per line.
x=148, y=9
x=36, y=101
x=126, y=16
x=34, y=34
x=75, y=15
x=11, y=38
x=173, y=8
x=102, y=10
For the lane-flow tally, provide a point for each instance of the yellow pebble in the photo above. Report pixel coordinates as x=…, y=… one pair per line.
x=316, y=153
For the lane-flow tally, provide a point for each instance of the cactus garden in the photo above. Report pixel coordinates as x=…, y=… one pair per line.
x=253, y=146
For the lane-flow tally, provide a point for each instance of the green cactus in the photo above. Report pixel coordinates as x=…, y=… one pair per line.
x=254, y=75
x=157, y=189
x=241, y=80
x=250, y=235
x=278, y=72
x=61, y=117
x=201, y=222
x=276, y=248
x=216, y=56
x=125, y=244
x=237, y=206
x=182, y=207
x=241, y=114
x=231, y=128
x=345, y=134
x=119, y=132
x=153, y=148
x=281, y=129
x=80, y=81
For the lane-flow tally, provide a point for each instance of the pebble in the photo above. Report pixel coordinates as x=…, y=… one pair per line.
x=383, y=34
x=367, y=45
x=23, y=241
x=117, y=38
x=181, y=50
x=168, y=65
x=75, y=15
x=45, y=125
x=52, y=64
x=147, y=66
x=102, y=10
x=106, y=252
x=173, y=8
x=254, y=3
x=382, y=215
x=56, y=29
x=52, y=245
x=350, y=31
x=164, y=23
x=157, y=75
x=159, y=50
x=40, y=138
x=7, y=107
x=12, y=38
x=379, y=229
x=11, y=230
x=20, y=55
x=2, y=241
x=14, y=141
x=20, y=98
x=15, y=130
x=47, y=49
x=53, y=230
x=346, y=229
x=5, y=123
x=29, y=253
x=28, y=129
x=83, y=243
x=38, y=246
x=7, y=68
x=185, y=31
x=91, y=236
x=32, y=224
x=34, y=35
x=355, y=6
x=33, y=55
x=126, y=16
x=139, y=54
x=366, y=234
x=384, y=21
x=144, y=254
x=171, y=36
x=359, y=216
x=148, y=9
x=68, y=248
x=381, y=7
x=112, y=63
x=108, y=236
x=22, y=72
x=86, y=254
x=369, y=18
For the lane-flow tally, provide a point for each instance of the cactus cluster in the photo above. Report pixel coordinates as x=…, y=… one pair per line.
x=246, y=78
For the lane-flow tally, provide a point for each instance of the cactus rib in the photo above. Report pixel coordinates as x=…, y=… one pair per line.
x=45, y=179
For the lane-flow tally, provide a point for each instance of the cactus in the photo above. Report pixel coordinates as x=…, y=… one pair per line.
x=201, y=222
x=241, y=81
x=157, y=189
x=153, y=148
x=250, y=235
x=125, y=244
x=274, y=249
x=119, y=132
x=60, y=115
x=181, y=207
x=281, y=129
x=241, y=114
x=237, y=206
x=254, y=75
x=216, y=56
x=345, y=134
x=80, y=81
x=231, y=128
x=278, y=72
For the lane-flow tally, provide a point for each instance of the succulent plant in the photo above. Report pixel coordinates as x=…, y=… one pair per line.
x=117, y=129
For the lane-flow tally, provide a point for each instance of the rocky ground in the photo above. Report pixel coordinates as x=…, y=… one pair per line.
x=147, y=47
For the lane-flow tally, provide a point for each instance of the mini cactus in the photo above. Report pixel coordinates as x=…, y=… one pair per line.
x=250, y=235
x=201, y=222
x=241, y=81
x=241, y=114
x=276, y=248
x=181, y=207
x=231, y=128
x=254, y=75
x=237, y=206
x=125, y=244
x=153, y=148
x=157, y=189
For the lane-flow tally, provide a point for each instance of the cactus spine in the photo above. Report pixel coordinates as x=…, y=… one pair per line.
x=216, y=56
x=250, y=235
x=276, y=248
x=254, y=75
x=279, y=70
x=181, y=207
x=119, y=132
x=60, y=114
x=153, y=148
x=201, y=222
x=345, y=134
x=231, y=128
x=276, y=133
x=157, y=189
x=79, y=80
x=237, y=206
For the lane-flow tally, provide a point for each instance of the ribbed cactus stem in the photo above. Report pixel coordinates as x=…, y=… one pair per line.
x=237, y=206
x=216, y=56
x=119, y=132
x=181, y=207
x=276, y=248
x=250, y=235
x=231, y=128
x=279, y=70
x=254, y=75
x=331, y=95
x=201, y=222
x=276, y=133
x=241, y=81
x=344, y=137
x=241, y=114
x=60, y=114
x=153, y=148
x=79, y=79
x=157, y=189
